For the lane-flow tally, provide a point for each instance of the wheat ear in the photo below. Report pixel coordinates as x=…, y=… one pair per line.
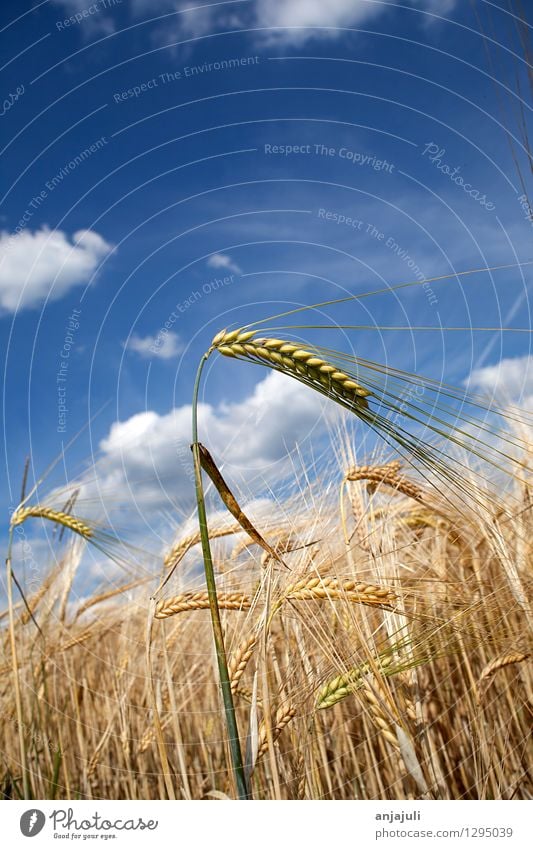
x=388, y=474
x=239, y=661
x=284, y=714
x=374, y=697
x=308, y=589
x=290, y=357
x=340, y=687
x=83, y=636
x=489, y=671
x=178, y=551
x=500, y=663
x=65, y=519
x=317, y=588
x=200, y=601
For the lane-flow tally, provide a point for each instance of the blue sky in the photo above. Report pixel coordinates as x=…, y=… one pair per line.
x=169, y=171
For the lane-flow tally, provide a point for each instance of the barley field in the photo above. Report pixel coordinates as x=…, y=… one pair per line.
x=257, y=545
x=378, y=633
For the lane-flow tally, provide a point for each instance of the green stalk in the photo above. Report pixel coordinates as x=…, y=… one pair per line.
x=218, y=636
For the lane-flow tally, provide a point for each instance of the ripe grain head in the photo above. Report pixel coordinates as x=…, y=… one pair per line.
x=65, y=519
x=290, y=358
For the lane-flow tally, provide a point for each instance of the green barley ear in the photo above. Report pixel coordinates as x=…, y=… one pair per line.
x=293, y=359
x=384, y=398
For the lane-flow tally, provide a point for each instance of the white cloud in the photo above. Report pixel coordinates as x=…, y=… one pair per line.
x=312, y=13
x=327, y=13
x=196, y=19
x=223, y=261
x=511, y=378
x=164, y=346
x=34, y=265
x=146, y=459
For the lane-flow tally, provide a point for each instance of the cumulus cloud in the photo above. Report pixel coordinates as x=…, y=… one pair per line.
x=511, y=378
x=328, y=14
x=286, y=19
x=164, y=346
x=147, y=458
x=46, y=263
x=312, y=13
x=223, y=261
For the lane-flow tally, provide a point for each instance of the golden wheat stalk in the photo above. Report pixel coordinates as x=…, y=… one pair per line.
x=239, y=661
x=490, y=670
x=80, y=638
x=500, y=662
x=375, y=697
x=284, y=714
x=317, y=588
x=57, y=516
x=180, y=549
x=307, y=589
x=388, y=474
x=200, y=601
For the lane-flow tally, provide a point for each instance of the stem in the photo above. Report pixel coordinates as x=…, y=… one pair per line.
x=18, y=700
x=218, y=636
x=151, y=694
x=265, y=691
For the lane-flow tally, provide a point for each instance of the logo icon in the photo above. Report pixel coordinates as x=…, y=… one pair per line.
x=32, y=822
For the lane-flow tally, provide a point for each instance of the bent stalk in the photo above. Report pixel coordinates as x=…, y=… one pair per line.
x=218, y=636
